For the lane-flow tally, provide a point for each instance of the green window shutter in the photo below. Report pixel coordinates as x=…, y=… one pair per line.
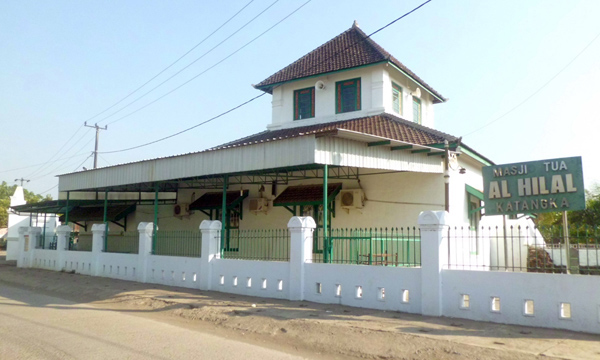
x=304, y=103
x=348, y=96
x=416, y=110
x=397, y=98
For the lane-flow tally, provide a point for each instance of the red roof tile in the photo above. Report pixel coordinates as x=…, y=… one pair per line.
x=350, y=49
x=384, y=125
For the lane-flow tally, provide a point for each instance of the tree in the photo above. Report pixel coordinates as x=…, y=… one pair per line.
x=6, y=191
x=582, y=223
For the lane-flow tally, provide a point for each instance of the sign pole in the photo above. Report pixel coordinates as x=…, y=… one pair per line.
x=567, y=243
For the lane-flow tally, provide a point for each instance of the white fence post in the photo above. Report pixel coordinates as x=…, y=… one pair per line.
x=23, y=244
x=434, y=226
x=301, y=247
x=98, y=233
x=34, y=234
x=145, y=249
x=211, y=236
x=62, y=242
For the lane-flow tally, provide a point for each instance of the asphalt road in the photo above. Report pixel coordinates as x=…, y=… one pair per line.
x=34, y=326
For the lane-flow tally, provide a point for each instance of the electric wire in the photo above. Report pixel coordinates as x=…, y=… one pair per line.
x=201, y=73
x=256, y=97
x=45, y=164
x=53, y=161
x=536, y=91
x=62, y=165
x=176, y=61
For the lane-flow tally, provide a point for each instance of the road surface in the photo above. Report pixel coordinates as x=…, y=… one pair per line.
x=34, y=326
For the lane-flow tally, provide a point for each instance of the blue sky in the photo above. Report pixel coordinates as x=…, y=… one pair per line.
x=63, y=62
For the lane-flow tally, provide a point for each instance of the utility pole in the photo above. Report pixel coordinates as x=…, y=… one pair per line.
x=22, y=180
x=98, y=128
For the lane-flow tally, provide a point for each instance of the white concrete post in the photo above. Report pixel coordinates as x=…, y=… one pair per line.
x=211, y=237
x=145, y=249
x=23, y=233
x=62, y=242
x=301, y=248
x=434, y=251
x=34, y=234
x=97, y=247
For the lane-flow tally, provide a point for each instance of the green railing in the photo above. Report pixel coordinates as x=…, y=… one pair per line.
x=178, y=243
x=266, y=245
x=123, y=242
x=382, y=247
x=525, y=249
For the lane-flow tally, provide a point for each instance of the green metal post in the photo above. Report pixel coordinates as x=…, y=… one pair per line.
x=44, y=234
x=67, y=212
x=223, y=213
x=155, y=226
x=105, y=221
x=326, y=253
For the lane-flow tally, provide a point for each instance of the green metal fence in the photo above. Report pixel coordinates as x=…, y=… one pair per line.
x=525, y=249
x=266, y=245
x=178, y=243
x=123, y=242
x=382, y=247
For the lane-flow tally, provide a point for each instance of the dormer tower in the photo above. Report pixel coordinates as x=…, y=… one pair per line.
x=348, y=77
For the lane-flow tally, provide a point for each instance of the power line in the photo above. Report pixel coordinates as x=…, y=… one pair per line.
x=186, y=130
x=173, y=63
x=34, y=165
x=537, y=91
x=208, y=69
x=187, y=66
x=54, y=155
x=256, y=97
x=45, y=164
x=52, y=172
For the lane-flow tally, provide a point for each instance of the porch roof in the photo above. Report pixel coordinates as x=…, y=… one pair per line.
x=306, y=195
x=114, y=212
x=214, y=200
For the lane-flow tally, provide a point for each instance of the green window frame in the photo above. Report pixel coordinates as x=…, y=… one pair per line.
x=304, y=103
x=396, y=98
x=347, y=96
x=416, y=110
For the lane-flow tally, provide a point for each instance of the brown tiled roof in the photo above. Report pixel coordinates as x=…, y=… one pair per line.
x=305, y=194
x=350, y=49
x=384, y=125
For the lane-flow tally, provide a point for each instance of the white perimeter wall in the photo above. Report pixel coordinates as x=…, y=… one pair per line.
x=401, y=286
x=547, y=291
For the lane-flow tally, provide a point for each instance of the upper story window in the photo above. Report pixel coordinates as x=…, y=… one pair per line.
x=416, y=110
x=347, y=95
x=397, y=98
x=304, y=103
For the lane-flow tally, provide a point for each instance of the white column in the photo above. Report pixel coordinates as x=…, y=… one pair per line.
x=211, y=237
x=145, y=249
x=34, y=236
x=62, y=234
x=434, y=250
x=301, y=248
x=98, y=233
x=23, y=244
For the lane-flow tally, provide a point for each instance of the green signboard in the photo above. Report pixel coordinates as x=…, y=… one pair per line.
x=534, y=187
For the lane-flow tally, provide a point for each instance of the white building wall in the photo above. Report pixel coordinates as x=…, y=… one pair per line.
x=376, y=97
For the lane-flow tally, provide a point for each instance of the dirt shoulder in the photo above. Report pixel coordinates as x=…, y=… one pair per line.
x=309, y=329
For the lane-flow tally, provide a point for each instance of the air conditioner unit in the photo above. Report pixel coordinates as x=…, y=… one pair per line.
x=181, y=210
x=258, y=205
x=352, y=199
